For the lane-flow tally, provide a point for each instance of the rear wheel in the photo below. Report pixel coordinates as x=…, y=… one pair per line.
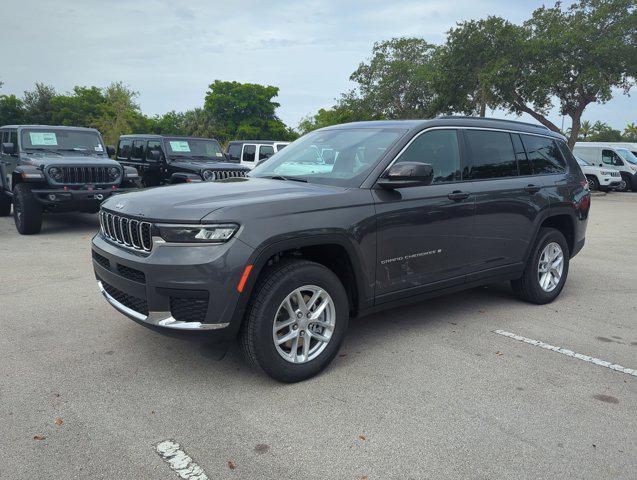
x=5, y=205
x=27, y=212
x=296, y=321
x=546, y=269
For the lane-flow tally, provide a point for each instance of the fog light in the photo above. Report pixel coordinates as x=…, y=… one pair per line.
x=52, y=197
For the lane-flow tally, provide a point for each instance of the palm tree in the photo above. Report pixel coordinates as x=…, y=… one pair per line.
x=585, y=129
x=630, y=132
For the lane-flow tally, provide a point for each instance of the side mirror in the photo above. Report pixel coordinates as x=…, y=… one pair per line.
x=154, y=155
x=407, y=174
x=8, y=148
x=110, y=150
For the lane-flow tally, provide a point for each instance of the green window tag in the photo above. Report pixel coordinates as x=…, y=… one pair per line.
x=43, y=138
x=179, y=146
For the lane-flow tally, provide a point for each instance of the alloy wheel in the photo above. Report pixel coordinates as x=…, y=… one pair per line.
x=550, y=266
x=304, y=324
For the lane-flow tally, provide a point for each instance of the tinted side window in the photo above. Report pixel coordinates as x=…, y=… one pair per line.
x=234, y=151
x=491, y=154
x=438, y=148
x=124, y=148
x=248, y=153
x=544, y=155
x=265, y=151
x=524, y=165
x=137, y=152
x=153, y=145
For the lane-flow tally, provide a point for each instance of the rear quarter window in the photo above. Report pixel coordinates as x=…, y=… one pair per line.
x=544, y=155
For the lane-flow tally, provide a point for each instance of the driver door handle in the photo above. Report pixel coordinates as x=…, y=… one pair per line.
x=457, y=195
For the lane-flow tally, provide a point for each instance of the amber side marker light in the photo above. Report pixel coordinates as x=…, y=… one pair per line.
x=244, y=278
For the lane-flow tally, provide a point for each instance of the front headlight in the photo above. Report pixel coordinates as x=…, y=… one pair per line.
x=55, y=173
x=214, y=233
x=113, y=173
x=208, y=175
x=606, y=172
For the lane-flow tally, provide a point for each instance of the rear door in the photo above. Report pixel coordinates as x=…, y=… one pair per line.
x=424, y=233
x=508, y=199
x=248, y=155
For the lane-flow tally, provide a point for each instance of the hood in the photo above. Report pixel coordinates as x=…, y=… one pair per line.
x=191, y=202
x=46, y=160
x=200, y=165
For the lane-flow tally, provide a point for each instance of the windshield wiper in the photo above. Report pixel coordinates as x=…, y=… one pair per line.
x=281, y=177
x=50, y=150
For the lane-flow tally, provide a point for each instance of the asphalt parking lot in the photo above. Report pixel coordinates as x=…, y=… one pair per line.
x=426, y=391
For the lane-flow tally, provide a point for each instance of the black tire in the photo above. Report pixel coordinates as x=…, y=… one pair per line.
x=5, y=205
x=528, y=287
x=27, y=212
x=256, y=332
x=593, y=183
x=627, y=183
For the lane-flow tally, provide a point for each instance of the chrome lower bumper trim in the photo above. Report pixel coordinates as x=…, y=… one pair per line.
x=158, y=319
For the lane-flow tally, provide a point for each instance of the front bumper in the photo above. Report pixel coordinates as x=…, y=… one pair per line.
x=185, y=291
x=56, y=197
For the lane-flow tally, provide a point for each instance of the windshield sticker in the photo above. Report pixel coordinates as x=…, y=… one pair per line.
x=43, y=138
x=98, y=148
x=179, y=146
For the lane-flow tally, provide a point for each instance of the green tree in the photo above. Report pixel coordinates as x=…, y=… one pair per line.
x=586, y=129
x=120, y=114
x=38, y=104
x=244, y=110
x=630, y=132
x=80, y=108
x=11, y=110
x=602, y=132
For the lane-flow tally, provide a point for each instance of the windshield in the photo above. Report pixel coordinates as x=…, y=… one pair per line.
x=199, y=148
x=339, y=157
x=62, y=140
x=627, y=155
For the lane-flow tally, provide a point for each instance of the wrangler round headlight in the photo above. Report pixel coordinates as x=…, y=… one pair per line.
x=113, y=173
x=55, y=173
x=214, y=233
x=208, y=175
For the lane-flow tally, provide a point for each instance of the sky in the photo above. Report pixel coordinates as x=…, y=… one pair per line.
x=171, y=50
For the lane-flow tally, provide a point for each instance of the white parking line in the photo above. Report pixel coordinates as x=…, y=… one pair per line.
x=181, y=463
x=570, y=353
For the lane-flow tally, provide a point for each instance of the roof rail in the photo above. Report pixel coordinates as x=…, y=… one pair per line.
x=538, y=125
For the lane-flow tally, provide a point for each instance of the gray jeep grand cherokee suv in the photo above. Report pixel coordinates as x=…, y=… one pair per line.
x=400, y=211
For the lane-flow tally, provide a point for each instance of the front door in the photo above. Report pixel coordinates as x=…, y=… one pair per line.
x=424, y=233
x=248, y=155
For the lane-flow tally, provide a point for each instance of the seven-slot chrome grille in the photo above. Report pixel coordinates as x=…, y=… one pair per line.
x=223, y=174
x=127, y=231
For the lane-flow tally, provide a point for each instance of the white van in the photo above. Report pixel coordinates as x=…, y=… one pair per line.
x=610, y=156
x=627, y=145
x=600, y=178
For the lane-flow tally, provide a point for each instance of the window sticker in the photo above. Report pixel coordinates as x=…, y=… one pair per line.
x=179, y=146
x=43, y=138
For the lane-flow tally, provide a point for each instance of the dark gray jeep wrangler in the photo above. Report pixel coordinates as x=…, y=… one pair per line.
x=56, y=169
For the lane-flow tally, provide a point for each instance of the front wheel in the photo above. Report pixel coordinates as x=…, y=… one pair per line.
x=546, y=269
x=593, y=183
x=27, y=212
x=625, y=186
x=296, y=321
